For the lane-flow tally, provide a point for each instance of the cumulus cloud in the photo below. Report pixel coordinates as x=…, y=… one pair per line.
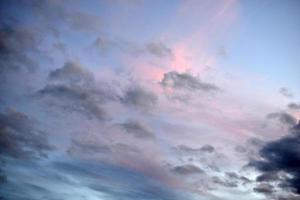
x=280, y=161
x=20, y=138
x=186, y=81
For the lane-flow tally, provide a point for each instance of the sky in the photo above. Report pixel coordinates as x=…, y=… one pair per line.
x=149, y=99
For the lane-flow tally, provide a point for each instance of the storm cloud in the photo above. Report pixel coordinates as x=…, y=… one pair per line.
x=281, y=156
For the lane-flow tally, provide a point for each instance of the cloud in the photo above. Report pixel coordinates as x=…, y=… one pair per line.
x=186, y=81
x=73, y=73
x=19, y=138
x=16, y=44
x=222, y=51
x=281, y=156
x=188, y=150
x=283, y=117
x=264, y=188
x=139, y=97
x=3, y=178
x=54, y=13
x=118, y=182
x=294, y=106
x=85, y=22
x=285, y=92
x=137, y=129
x=207, y=148
x=225, y=183
x=233, y=176
x=267, y=177
x=76, y=99
x=206, y=155
x=87, y=146
x=74, y=89
x=187, y=169
x=157, y=49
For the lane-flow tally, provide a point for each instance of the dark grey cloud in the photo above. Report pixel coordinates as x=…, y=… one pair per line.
x=294, y=106
x=264, y=188
x=19, y=138
x=281, y=156
x=286, y=92
x=139, y=97
x=137, y=129
x=267, y=177
x=283, y=117
x=186, y=81
x=187, y=169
